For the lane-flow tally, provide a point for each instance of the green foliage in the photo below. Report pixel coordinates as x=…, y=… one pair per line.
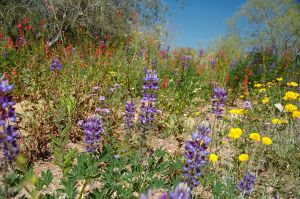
x=63, y=158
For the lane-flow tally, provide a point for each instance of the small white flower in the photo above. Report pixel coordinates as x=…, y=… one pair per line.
x=279, y=107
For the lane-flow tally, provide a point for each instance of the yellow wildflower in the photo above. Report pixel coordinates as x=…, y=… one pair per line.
x=296, y=114
x=213, y=158
x=262, y=90
x=290, y=108
x=279, y=121
x=257, y=85
x=290, y=95
x=255, y=137
x=197, y=113
x=238, y=111
x=266, y=100
x=235, y=133
x=279, y=79
x=243, y=157
x=294, y=84
x=266, y=140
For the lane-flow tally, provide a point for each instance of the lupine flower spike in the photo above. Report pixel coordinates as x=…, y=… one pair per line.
x=196, y=154
x=8, y=132
x=218, y=101
x=93, y=129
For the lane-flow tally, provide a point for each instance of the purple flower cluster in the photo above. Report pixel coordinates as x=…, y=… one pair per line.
x=247, y=105
x=186, y=61
x=247, y=183
x=218, y=101
x=196, y=154
x=149, y=97
x=233, y=64
x=129, y=114
x=93, y=129
x=200, y=53
x=182, y=191
x=55, y=65
x=8, y=132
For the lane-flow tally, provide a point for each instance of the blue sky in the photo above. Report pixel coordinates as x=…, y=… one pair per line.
x=200, y=21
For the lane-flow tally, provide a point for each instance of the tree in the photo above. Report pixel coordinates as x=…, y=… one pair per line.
x=114, y=17
x=269, y=22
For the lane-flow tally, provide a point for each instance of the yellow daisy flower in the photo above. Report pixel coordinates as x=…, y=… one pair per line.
x=290, y=108
x=279, y=121
x=279, y=79
x=257, y=85
x=266, y=141
x=294, y=84
x=243, y=157
x=213, y=158
x=290, y=95
x=262, y=90
x=255, y=137
x=235, y=133
x=238, y=111
x=296, y=114
x=266, y=100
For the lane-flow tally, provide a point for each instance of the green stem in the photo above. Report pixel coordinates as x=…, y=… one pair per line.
x=86, y=181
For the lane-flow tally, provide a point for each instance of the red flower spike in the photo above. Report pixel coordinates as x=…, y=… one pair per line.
x=19, y=25
x=25, y=20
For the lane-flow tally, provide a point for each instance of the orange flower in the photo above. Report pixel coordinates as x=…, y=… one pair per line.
x=165, y=83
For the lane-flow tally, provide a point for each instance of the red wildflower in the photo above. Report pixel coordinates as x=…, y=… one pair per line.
x=19, y=25
x=25, y=20
x=14, y=72
x=28, y=28
x=165, y=83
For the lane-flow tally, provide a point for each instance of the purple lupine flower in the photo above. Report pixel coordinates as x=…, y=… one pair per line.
x=186, y=61
x=5, y=86
x=154, y=63
x=182, y=191
x=247, y=105
x=151, y=80
x=55, y=65
x=260, y=69
x=247, y=183
x=96, y=88
x=8, y=133
x=201, y=52
x=101, y=98
x=129, y=114
x=196, y=154
x=106, y=111
x=21, y=40
x=147, y=108
x=233, y=64
x=112, y=90
x=150, y=195
x=218, y=101
x=4, y=54
x=116, y=85
x=93, y=129
x=80, y=123
x=272, y=67
x=212, y=62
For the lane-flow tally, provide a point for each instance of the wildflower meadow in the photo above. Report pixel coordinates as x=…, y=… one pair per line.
x=94, y=103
